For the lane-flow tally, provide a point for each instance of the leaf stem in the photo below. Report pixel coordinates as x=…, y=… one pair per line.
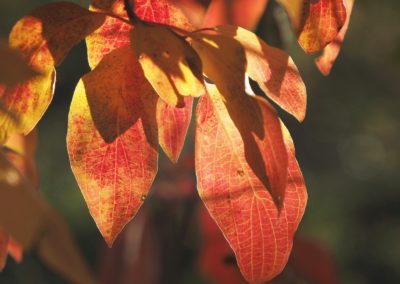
x=129, y=7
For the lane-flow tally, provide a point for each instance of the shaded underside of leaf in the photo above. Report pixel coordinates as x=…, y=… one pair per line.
x=273, y=70
x=169, y=63
x=326, y=60
x=258, y=222
x=224, y=61
x=316, y=23
x=13, y=68
x=112, y=140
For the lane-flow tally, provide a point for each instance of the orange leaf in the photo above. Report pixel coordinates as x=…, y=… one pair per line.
x=44, y=38
x=173, y=124
x=273, y=70
x=169, y=63
x=244, y=13
x=315, y=22
x=112, y=140
x=234, y=155
x=114, y=33
x=331, y=51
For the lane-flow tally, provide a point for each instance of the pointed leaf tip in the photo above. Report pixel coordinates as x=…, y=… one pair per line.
x=259, y=231
x=113, y=156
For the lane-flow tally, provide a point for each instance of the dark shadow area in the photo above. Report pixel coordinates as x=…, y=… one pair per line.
x=118, y=95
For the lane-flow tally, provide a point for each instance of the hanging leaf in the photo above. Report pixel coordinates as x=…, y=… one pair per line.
x=257, y=215
x=315, y=22
x=115, y=33
x=113, y=156
x=228, y=52
x=331, y=51
x=173, y=124
x=44, y=38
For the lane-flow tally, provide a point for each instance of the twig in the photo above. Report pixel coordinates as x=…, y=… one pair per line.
x=129, y=7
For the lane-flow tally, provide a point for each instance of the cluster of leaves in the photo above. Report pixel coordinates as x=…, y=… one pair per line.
x=148, y=63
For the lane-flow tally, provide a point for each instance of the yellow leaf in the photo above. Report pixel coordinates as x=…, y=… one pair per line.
x=43, y=38
x=169, y=63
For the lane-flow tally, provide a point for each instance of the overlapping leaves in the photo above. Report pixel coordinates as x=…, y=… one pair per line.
x=318, y=25
x=139, y=95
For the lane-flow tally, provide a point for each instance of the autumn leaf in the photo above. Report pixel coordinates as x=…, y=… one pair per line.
x=173, y=124
x=244, y=13
x=113, y=156
x=169, y=63
x=114, y=33
x=228, y=52
x=316, y=23
x=331, y=51
x=257, y=205
x=44, y=38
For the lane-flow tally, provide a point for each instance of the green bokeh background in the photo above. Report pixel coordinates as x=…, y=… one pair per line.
x=348, y=149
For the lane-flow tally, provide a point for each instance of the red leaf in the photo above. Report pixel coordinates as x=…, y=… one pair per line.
x=258, y=218
x=112, y=140
x=114, y=33
x=173, y=124
x=315, y=22
x=331, y=51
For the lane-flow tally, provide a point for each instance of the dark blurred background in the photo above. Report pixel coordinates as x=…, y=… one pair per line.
x=348, y=149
